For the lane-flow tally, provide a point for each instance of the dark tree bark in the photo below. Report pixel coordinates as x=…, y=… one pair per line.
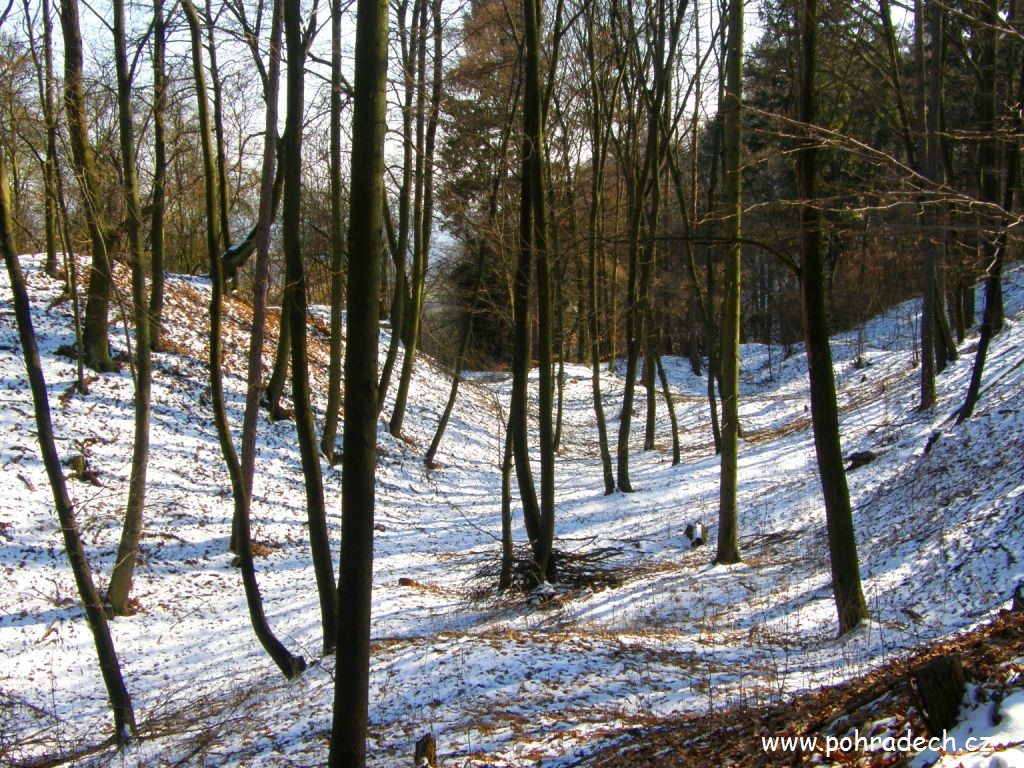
x=329, y=437
x=728, y=534
x=279, y=373
x=223, y=186
x=95, y=339
x=992, y=312
x=119, y=588
x=269, y=177
x=940, y=685
x=295, y=279
x=604, y=91
x=359, y=461
x=45, y=85
x=156, y=230
x=533, y=262
x=398, y=242
x=933, y=239
x=423, y=209
x=291, y=666
x=842, y=542
x=117, y=691
x=518, y=419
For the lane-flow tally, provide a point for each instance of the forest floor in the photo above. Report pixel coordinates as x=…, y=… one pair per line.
x=649, y=654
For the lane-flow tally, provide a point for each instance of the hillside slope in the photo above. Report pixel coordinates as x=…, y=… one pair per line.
x=650, y=630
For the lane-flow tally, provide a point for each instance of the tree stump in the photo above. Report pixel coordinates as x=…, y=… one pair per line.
x=940, y=688
x=426, y=752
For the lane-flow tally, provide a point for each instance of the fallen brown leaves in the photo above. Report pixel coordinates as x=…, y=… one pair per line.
x=733, y=737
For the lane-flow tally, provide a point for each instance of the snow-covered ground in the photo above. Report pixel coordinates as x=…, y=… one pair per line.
x=497, y=681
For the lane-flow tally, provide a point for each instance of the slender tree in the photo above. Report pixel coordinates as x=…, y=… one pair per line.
x=120, y=585
x=359, y=461
x=157, y=235
x=291, y=666
x=411, y=40
x=95, y=339
x=604, y=88
x=428, y=112
x=330, y=432
x=117, y=691
x=992, y=311
x=45, y=85
x=842, y=542
x=728, y=533
x=217, y=90
x=295, y=281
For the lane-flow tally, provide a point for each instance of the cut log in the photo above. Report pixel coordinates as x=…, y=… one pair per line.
x=940, y=688
x=426, y=752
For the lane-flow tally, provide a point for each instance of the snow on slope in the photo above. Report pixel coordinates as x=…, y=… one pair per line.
x=498, y=682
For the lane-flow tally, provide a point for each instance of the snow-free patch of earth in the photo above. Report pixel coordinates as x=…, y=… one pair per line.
x=660, y=632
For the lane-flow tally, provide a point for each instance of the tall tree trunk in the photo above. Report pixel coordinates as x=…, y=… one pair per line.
x=223, y=185
x=933, y=238
x=728, y=535
x=156, y=231
x=359, y=463
x=992, y=312
x=295, y=278
x=602, y=98
x=634, y=327
x=534, y=248
x=291, y=666
x=988, y=151
x=45, y=85
x=398, y=242
x=427, y=121
x=95, y=338
x=330, y=433
x=120, y=584
x=842, y=542
x=117, y=691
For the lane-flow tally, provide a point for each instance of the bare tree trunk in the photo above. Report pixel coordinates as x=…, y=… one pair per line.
x=291, y=666
x=120, y=584
x=330, y=432
x=842, y=542
x=95, y=338
x=427, y=121
x=992, y=312
x=411, y=40
x=117, y=691
x=223, y=186
x=933, y=238
x=45, y=84
x=359, y=462
x=295, y=277
x=728, y=536
x=603, y=96
x=156, y=232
